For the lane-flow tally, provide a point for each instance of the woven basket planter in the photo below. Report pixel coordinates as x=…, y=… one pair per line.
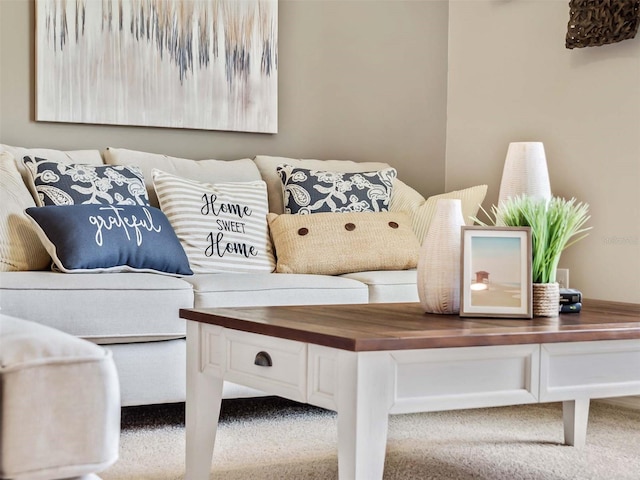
x=546, y=299
x=439, y=260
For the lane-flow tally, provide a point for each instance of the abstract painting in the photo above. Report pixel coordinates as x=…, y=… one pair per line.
x=198, y=64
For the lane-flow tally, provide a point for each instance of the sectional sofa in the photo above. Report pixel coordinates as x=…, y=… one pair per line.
x=134, y=313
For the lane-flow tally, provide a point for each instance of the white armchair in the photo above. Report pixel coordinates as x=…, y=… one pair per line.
x=59, y=404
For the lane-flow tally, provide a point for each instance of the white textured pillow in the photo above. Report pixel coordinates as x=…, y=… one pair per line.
x=421, y=210
x=209, y=171
x=222, y=227
x=20, y=247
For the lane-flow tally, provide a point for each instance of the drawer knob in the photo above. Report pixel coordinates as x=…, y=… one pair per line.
x=263, y=359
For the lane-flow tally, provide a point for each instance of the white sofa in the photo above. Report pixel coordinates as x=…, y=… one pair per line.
x=135, y=315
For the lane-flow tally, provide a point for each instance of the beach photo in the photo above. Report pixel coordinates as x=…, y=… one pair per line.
x=496, y=272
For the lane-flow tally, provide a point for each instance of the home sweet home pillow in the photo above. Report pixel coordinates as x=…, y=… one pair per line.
x=222, y=227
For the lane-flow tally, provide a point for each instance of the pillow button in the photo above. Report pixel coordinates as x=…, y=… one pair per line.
x=350, y=227
x=303, y=231
x=393, y=225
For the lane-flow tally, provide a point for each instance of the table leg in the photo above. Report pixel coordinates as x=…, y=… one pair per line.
x=363, y=400
x=202, y=410
x=575, y=414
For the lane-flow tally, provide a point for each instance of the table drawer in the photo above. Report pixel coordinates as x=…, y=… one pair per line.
x=274, y=365
x=467, y=377
x=600, y=369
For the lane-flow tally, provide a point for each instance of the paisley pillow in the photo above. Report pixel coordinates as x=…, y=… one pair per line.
x=315, y=191
x=57, y=183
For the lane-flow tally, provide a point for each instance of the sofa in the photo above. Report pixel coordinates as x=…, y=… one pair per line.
x=133, y=312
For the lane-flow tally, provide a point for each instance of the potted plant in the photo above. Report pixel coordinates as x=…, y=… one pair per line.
x=556, y=224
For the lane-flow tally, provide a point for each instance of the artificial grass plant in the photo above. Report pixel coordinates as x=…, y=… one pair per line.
x=556, y=224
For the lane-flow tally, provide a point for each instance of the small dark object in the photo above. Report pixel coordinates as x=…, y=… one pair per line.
x=599, y=22
x=570, y=307
x=570, y=295
x=263, y=359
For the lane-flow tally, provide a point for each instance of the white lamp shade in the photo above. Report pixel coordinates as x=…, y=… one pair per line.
x=525, y=172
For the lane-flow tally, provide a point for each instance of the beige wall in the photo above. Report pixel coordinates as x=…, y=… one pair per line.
x=512, y=79
x=367, y=80
x=360, y=80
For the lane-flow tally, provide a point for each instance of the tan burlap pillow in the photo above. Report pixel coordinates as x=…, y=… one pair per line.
x=335, y=243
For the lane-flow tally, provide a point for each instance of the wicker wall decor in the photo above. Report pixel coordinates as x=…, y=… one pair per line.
x=599, y=22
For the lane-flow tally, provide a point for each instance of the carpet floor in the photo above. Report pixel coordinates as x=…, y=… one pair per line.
x=271, y=438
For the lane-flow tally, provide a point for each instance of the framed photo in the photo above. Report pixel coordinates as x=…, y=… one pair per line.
x=496, y=272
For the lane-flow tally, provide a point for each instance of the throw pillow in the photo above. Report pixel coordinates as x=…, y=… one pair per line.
x=222, y=227
x=109, y=238
x=332, y=244
x=267, y=166
x=85, y=157
x=57, y=183
x=209, y=170
x=20, y=247
x=421, y=210
x=315, y=191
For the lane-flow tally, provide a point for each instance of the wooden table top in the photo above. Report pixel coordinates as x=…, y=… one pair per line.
x=402, y=326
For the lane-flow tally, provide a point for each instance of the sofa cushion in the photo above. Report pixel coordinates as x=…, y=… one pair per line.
x=109, y=238
x=421, y=210
x=334, y=243
x=222, y=227
x=208, y=171
x=87, y=157
x=20, y=247
x=268, y=165
x=388, y=286
x=262, y=289
x=113, y=308
x=316, y=191
x=58, y=183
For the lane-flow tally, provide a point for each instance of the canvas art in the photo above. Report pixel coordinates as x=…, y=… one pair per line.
x=199, y=64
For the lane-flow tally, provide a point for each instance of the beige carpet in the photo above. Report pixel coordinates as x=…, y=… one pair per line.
x=270, y=438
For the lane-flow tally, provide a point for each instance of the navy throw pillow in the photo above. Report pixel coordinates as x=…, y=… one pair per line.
x=109, y=238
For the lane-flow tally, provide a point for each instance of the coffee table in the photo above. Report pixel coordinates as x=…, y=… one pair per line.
x=368, y=361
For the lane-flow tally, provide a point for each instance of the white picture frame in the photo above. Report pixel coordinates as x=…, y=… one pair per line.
x=495, y=279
